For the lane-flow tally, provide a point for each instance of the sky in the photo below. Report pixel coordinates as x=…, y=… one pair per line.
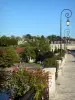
x=35, y=17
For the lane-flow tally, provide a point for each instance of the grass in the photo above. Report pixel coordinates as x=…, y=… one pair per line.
x=31, y=65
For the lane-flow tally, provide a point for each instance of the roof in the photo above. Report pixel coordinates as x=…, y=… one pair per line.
x=19, y=50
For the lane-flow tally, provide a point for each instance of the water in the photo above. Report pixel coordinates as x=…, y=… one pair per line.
x=4, y=96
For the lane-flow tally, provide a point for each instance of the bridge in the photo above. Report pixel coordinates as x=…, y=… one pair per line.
x=68, y=46
x=71, y=46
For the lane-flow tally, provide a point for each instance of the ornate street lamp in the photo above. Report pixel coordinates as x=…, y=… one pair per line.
x=67, y=32
x=67, y=15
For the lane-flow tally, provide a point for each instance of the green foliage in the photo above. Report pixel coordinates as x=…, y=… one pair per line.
x=52, y=37
x=8, y=41
x=63, y=53
x=2, y=79
x=43, y=45
x=48, y=54
x=56, y=50
x=35, y=47
x=8, y=57
x=23, y=80
x=58, y=57
x=50, y=62
x=28, y=52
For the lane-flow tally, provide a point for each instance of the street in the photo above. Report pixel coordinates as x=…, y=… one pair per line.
x=65, y=84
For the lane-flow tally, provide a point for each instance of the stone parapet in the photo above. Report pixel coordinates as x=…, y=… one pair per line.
x=51, y=81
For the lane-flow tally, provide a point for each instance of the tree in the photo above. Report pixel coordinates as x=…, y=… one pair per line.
x=8, y=41
x=4, y=41
x=28, y=52
x=8, y=57
x=27, y=37
x=35, y=47
x=13, y=41
x=43, y=45
x=52, y=37
x=18, y=38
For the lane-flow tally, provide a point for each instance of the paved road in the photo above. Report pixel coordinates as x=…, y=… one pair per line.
x=65, y=88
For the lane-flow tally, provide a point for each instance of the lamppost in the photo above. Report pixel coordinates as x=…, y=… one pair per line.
x=66, y=31
x=67, y=15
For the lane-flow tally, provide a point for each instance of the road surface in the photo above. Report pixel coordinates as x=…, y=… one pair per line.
x=65, y=84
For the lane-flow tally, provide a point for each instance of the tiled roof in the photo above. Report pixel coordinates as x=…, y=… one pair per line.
x=19, y=50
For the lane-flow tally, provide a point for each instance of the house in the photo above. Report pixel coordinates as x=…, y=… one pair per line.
x=21, y=41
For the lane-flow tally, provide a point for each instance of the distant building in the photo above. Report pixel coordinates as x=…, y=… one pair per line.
x=21, y=41
x=57, y=41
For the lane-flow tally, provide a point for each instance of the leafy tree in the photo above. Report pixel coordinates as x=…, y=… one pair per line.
x=13, y=41
x=35, y=47
x=52, y=37
x=27, y=37
x=8, y=41
x=29, y=51
x=18, y=38
x=3, y=41
x=43, y=45
x=8, y=57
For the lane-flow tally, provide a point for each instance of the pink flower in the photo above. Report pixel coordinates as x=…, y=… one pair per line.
x=26, y=68
x=34, y=71
x=30, y=70
x=15, y=69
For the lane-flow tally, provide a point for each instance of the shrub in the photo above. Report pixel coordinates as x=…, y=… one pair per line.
x=22, y=80
x=50, y=62
x=58, y=57
x=2, y=79
x=46, y=55
x=63, y=52
x=56, y=50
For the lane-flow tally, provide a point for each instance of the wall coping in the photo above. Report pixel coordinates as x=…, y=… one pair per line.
x=50, y=70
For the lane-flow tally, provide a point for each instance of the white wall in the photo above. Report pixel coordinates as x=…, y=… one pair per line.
x=69, y=46
x=51, y=81
x=53, y=46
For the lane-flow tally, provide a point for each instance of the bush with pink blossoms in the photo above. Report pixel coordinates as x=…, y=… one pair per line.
x=24, y=79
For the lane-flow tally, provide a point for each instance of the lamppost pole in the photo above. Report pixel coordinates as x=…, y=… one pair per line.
x=67, y=15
